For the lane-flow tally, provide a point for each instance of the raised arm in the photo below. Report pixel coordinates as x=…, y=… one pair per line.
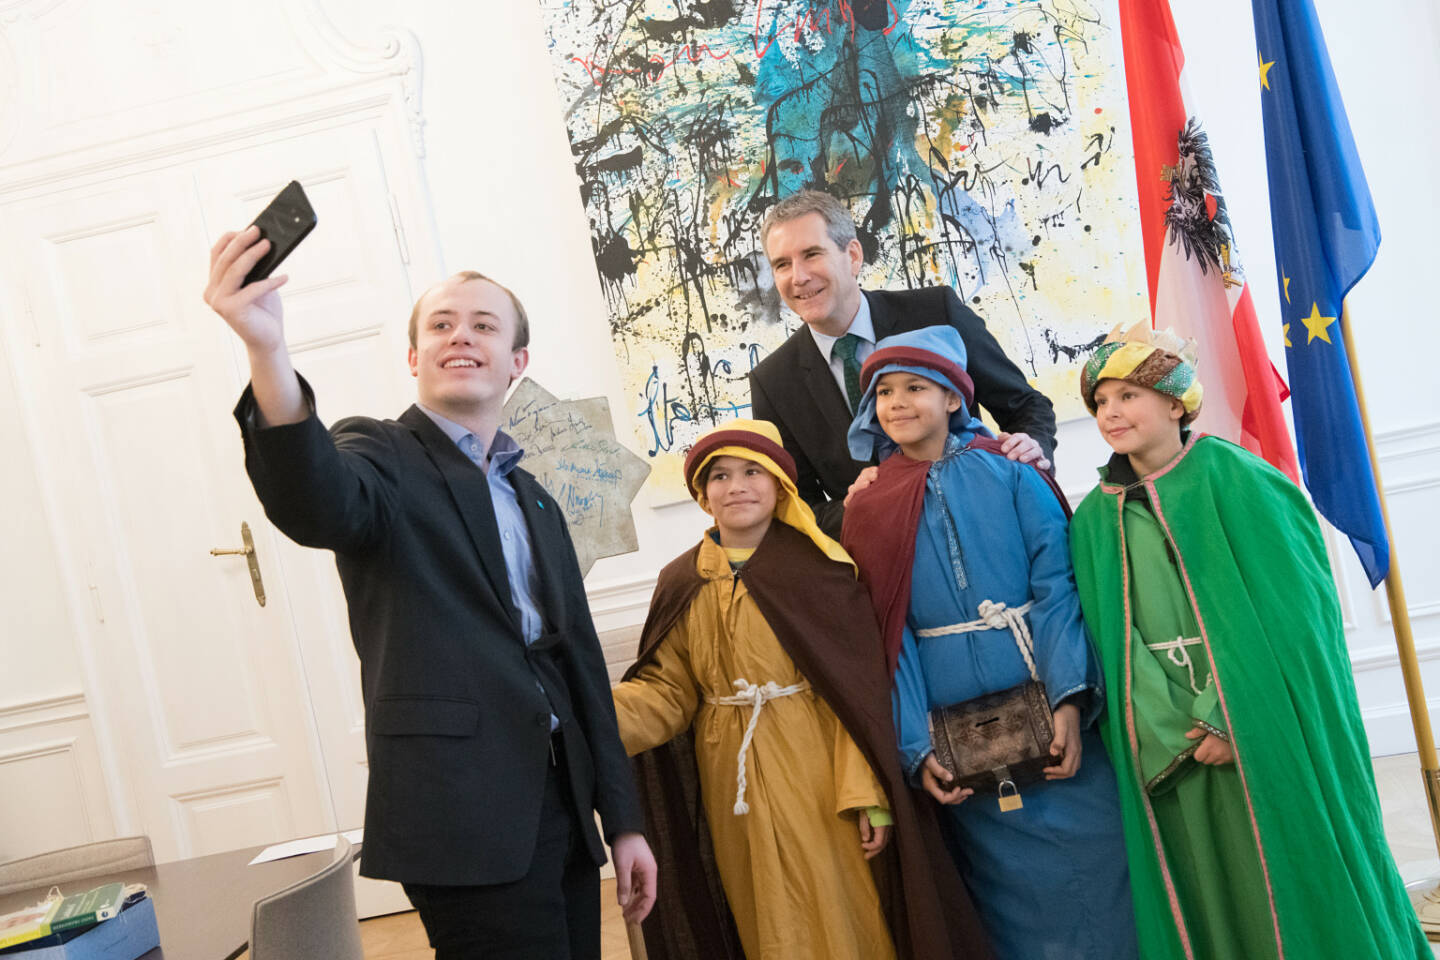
x=255, y=314
x=334, y=492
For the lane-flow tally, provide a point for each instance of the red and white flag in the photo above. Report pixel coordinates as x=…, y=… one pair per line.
x=1197, y=287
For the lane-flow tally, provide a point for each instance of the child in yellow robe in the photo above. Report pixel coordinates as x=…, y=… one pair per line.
x=757, y=637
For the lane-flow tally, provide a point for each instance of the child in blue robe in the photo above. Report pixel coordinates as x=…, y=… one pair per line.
x=965, y=552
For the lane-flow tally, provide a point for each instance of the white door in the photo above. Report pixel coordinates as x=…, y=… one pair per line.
x=127, y=387
x=234, y=724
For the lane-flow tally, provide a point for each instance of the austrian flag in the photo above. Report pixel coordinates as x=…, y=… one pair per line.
x=1197, y=287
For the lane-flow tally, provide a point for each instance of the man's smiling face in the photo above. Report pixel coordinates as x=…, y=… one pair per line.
x=815, y=277
x=463, y=359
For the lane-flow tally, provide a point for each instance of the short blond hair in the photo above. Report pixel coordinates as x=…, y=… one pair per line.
x=522, y=319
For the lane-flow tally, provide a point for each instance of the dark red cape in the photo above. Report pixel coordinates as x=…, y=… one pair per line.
x=824, y=622
x=879, y=531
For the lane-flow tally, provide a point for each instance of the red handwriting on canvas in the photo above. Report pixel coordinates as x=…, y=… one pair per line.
x=655, y=65
x=815, y=19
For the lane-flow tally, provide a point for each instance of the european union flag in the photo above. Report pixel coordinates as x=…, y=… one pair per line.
x=1326, y=235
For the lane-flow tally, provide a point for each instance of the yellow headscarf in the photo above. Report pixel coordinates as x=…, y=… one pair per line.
x=759, y=441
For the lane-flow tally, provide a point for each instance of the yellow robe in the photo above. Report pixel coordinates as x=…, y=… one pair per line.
x=793, y=871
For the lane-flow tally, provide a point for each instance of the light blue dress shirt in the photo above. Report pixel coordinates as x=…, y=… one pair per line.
x=503, y=456
x=862, y=327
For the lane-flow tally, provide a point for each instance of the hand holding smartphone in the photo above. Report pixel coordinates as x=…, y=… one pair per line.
x=287, y=220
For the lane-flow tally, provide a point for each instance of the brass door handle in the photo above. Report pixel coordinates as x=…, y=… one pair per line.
x=248, y=552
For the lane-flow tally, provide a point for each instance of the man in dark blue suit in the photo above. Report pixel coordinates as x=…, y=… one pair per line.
x=489, y=720
x=805, y=386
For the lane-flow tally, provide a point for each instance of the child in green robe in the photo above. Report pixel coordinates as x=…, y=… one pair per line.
x=1251, y=820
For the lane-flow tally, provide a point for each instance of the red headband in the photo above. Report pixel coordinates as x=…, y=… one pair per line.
x=919, y=357
x=736, y=438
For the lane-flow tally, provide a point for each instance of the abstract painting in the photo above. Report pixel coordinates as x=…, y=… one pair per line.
x=982, y=144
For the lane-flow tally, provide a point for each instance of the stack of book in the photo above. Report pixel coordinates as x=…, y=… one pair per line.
x=58, y=920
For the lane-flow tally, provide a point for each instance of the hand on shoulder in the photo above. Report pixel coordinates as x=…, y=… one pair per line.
x=1023, y=448
x=866, y=478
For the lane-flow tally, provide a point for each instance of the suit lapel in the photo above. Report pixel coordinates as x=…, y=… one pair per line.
x=471, y=492
x=880, y=317
x=541, y=514
x=818, y=379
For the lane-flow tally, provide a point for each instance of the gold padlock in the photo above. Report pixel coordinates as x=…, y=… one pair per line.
x=1012, y=802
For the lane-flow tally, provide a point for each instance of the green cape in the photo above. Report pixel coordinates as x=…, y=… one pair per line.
x=1254, y=565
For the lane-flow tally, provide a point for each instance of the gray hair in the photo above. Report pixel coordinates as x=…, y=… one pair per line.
x=838, y=225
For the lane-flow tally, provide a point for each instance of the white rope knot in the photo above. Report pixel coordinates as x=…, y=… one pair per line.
x=1180, y=656
x=754, y=696
x=995, y=615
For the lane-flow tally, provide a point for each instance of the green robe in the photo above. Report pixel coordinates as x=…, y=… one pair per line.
x=1256, y=580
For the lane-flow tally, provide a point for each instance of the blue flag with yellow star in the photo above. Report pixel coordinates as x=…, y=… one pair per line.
x=1326, y=235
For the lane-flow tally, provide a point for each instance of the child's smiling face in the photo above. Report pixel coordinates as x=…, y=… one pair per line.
x=741, y=496
x=1137, y=421
x=914, y=411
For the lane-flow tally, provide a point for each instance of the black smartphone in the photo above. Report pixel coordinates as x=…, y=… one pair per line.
x=285, y=222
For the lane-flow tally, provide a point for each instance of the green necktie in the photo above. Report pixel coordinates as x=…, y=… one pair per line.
x=845, y=347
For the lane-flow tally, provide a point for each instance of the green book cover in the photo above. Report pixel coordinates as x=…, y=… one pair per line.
x=89, y=908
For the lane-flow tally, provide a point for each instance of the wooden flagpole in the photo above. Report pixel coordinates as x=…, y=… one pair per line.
x=1429, y=905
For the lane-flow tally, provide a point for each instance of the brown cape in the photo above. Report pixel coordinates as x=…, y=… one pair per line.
x=880, y=527
x=824, y=621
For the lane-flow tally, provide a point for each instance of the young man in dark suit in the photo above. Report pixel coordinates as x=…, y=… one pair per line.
x=489, y=720
x=809, y=385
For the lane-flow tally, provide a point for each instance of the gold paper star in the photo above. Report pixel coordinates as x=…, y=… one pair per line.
x=1317, y=325
x=1285, y=332
x=1264, y=71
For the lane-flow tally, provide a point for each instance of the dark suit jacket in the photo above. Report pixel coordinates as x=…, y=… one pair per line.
x=456, y=727
x=794, y=389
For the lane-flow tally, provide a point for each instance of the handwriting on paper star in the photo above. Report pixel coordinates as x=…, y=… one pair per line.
x=1285, y=332
x=1265, y=71
x=570, y=447
x=1317, y=325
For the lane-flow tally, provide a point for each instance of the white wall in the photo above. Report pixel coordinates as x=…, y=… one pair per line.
x=37, y=655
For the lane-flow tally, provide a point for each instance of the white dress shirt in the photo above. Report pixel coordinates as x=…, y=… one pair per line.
x=863, y=328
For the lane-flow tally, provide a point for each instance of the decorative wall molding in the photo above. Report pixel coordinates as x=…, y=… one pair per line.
x=395, y=52
x=308, y=72
x=18, y=11
x=622, y=603
x=49, y=748
x=1390, y=729
x=43, y=712
x=52, y=787
x=1382, y=656
x=1410, y=441
x=207, y=139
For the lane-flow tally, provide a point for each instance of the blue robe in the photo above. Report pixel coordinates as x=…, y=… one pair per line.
x=1050, y=880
